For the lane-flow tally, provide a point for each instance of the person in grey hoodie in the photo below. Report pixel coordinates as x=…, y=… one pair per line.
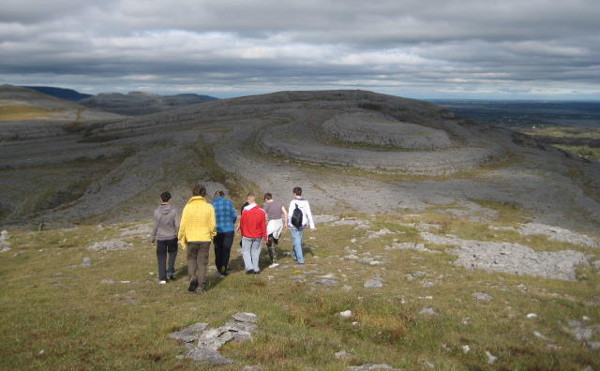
x=166, y=226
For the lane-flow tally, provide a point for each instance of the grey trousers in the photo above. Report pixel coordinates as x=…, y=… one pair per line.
x=251, y=253
x=197, y=258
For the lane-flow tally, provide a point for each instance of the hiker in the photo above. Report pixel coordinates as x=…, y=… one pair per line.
x=241, y=211
x=226, y=216
x=253, y=226
x=276, y=221
x=298, y=218
x=164, y=233
x=197, y=229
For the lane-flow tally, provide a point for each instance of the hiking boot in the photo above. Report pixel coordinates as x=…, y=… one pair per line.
x=200, y=292
x=162, y=282
x=193, y=286
x=250, y=271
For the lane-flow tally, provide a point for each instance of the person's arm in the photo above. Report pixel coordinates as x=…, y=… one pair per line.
x=176, y=220
x=212, y=223
x=154, y=230
x=311, y=223
x=232, y=212
x=285, y=217
x=289, y=218
x=182, y=226
x=264, y=227
x=242, y=220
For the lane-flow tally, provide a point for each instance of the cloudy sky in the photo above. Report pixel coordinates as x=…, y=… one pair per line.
x=546, y=49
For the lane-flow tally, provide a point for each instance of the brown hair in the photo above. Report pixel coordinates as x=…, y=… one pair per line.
x=199, y=190
x=297, y=191
x=268, y=196
x=219, y=193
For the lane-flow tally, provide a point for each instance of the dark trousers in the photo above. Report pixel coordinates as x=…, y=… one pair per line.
x=223, y=242
x=197, y=257
x=164, y=247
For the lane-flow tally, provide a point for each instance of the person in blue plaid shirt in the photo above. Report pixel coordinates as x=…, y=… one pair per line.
x=226, y=216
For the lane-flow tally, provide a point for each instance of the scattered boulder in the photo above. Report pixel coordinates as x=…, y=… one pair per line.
x=558, y=234
x=189, y=334
x=409, y=246
x=110, y=245
x=341, y=354
x=428, y=311
x=481, y=296
x=345, y=314
x=371, y=366
x=210, y=340
x=511, y=257
x=374, y=283
x=491, y=359
x=427, y=285
x=379, y=233
x=87, y=262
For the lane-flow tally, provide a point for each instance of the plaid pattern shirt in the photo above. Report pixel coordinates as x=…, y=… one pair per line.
x=225, y=214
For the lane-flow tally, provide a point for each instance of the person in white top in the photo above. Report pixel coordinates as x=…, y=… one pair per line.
x=297, y=221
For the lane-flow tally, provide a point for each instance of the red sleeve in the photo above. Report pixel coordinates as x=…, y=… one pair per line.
x=242, y=220
x=264, y=225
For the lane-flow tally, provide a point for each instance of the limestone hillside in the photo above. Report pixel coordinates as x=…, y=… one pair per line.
x=350, y=150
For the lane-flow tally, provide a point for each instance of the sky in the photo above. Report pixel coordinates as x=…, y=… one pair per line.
x=508, y=49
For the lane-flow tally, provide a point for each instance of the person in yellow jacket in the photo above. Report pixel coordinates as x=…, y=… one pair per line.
x=197, y=228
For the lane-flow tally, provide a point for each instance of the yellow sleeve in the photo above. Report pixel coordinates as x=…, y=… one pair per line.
x=213, y=222
x=181, y=235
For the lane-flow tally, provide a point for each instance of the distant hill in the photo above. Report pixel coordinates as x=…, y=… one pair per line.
x=140, y=103
x=68, y=94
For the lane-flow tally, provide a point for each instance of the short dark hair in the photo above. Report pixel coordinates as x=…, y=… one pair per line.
x=297, y=191
x=199, y=190
x=219, y=194
x=268, y=196
x=165, y=196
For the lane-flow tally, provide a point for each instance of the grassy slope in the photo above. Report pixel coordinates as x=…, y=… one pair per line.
x=80, y=323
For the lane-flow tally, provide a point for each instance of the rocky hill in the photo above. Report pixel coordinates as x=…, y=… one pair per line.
x=27, y=113
x=139, y=103
x=440, y=244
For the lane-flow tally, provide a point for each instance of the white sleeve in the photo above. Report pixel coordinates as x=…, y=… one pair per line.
x=311, y=223
x=290, y=211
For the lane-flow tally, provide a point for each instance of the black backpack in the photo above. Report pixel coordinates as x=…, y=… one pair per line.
x=297, y=217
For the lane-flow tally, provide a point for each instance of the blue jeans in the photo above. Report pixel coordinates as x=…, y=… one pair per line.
x=297, y=234
x=251, y=253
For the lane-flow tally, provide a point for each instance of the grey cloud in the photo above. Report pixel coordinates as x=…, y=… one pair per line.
x=237, y=45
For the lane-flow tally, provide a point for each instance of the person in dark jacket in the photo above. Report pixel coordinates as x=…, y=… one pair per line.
x=166, y=226
x=253, y=225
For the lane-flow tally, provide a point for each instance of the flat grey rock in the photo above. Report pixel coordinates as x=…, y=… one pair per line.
x=481, y=296
x=428, y=311
x=371, y=366
x=245, y=317
x=208, y=355
x=189, y=334
x=111, y=245
x=373, y=283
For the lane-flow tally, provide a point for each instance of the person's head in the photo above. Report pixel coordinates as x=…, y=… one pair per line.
x=165, y=197
x=199, y=190
x=297, y=191
x=268, y=197
x=251, y=198
x=219, y=194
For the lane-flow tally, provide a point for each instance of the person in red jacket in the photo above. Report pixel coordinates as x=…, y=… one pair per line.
x=253, y=226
